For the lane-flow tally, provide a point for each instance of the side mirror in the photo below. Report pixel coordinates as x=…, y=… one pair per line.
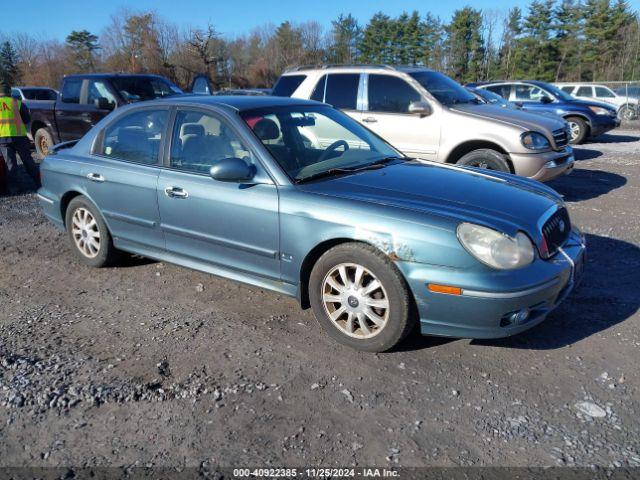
x=545, y=99
x=421, y=108
x=232, y=170
x=103, y=104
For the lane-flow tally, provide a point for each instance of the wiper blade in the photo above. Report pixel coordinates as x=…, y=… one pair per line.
x=337, y=171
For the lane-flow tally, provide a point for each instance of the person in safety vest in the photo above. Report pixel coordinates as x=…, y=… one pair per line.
x=14, y=117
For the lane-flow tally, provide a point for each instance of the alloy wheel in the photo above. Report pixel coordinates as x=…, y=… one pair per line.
x=575, y=130
x=86, y=234
x=355, y=300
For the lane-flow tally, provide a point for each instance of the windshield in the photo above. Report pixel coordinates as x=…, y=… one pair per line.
x=557, y=92
x=445, y=90
x=310, y=141
x=135, y=89
x=492, y=98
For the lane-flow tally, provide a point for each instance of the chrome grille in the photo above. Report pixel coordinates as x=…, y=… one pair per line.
x=561, y=137
x=556, y=230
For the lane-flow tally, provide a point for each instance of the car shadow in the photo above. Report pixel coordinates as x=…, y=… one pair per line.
x=614, y=138
x=586, y=154
x=585, y=184
x=600, y=302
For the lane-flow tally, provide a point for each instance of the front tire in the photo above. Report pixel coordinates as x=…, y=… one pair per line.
x=627, y=113
x=43, y=142
x=579, y=130
x=485, y=158
x=360, y=298
x=90, y=238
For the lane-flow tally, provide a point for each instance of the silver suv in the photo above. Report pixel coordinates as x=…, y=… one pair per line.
x=427, y=115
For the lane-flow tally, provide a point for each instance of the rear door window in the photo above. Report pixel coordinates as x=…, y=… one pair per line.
x=287, y=84
x=136, y=137
x=318, y=91
x=567, y=88
x=390, y=94
x=342, y=90
x=585, y=92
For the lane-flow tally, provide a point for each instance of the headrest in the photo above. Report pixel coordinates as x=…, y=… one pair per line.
x=266, y=129
x=191, y=129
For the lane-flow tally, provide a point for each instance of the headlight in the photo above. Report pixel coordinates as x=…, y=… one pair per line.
x=494, y=248
x=599, y=110
x=534, y=141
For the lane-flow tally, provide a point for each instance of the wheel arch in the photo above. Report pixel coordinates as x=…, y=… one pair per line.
x=312, y=257
x=65, y=200
x=469, y=146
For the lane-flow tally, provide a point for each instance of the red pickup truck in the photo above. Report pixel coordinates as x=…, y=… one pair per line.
x=85, y=99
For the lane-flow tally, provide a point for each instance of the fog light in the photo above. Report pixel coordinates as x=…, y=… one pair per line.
x=520, y=317
x=550, y=164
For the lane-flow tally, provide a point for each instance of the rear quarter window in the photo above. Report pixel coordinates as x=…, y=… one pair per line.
x=287, y=84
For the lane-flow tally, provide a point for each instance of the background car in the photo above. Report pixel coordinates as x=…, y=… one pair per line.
x=428, y=115
x=585, y=118
x=631, y=91
x=627, y=106
x=373, y=241
x=86, y=99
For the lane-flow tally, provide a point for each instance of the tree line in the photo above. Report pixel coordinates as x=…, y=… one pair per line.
x=551, y=40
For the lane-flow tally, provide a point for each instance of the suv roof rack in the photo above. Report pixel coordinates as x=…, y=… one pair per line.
x=332, y=65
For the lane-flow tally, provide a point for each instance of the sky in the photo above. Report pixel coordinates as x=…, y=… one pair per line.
x=54, y=19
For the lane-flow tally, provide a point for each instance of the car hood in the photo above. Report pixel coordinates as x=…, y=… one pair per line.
x=591, y=103
x=518, y=118
x=497, y=200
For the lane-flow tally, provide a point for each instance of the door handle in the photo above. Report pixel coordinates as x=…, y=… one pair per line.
x=95, y=177
x=370, y=120
x=175, y=192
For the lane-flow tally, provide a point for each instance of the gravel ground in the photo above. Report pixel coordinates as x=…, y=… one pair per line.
x=154, y=364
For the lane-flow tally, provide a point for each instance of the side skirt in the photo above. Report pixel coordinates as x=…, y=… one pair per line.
x=213, y=269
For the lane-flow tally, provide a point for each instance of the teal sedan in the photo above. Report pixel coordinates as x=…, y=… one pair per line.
x=296, y=197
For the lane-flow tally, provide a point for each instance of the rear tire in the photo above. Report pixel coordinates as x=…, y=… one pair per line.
x=90, y=239
x=43, y=142
x=579, y=130
x=366, y=295
x=485, y=158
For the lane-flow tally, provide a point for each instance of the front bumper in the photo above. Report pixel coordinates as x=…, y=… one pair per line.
x=486, y=306
x=602, y=124
x=543, y=166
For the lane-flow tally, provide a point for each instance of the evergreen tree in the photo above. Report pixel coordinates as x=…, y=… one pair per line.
x=9, y=70
x=432, y=35
x=376, y=39
x=540, y=52
x=346, y=37
x=568, y=29
x=83, y=46
x=465, y=46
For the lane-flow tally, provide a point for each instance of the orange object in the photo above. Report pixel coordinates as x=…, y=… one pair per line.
x=447, y=289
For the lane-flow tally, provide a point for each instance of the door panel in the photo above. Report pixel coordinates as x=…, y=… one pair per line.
x=224, y=223
x=227, y=224
x=126, y=195
x=388, y=99
x=122, y=178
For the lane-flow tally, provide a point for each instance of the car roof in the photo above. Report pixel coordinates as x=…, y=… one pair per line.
x=236, y=102
x=112, y=75
x=392, y=68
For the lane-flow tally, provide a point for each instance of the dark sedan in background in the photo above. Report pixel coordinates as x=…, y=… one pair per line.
x=586, y=118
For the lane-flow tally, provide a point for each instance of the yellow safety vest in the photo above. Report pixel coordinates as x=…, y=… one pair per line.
x=11, y=124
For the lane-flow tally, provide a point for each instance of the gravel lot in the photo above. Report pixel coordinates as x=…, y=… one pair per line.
x=153, y=364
